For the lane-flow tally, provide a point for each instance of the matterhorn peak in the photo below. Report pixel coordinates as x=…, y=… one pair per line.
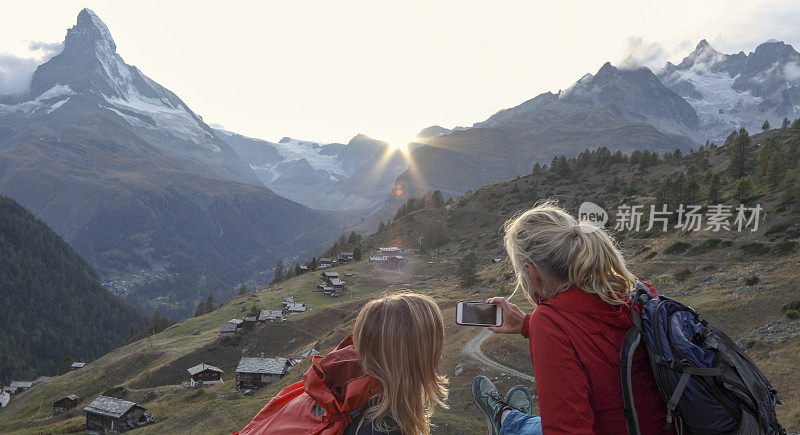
x=89, y=32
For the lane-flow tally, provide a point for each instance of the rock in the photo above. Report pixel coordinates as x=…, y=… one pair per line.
x=776, y=332
x=459, y=369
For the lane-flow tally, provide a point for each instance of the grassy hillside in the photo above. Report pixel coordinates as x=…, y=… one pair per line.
x=746, y=283
x=151, y=371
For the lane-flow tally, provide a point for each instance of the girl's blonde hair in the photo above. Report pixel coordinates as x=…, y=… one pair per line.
x=578, y=253
x=399, y=340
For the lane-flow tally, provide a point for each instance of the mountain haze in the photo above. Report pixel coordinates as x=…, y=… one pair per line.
x=138, y=184
x=352, y=176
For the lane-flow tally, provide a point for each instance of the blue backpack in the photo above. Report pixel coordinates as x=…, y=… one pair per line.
x=709, y=384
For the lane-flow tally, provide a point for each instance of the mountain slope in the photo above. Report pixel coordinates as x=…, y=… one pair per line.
x=733, y=90
x=620, y=109
x=335, y=176
x=711, y=278
x=142, y=188
x=52, y=302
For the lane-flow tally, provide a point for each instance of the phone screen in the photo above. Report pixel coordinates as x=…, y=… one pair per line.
x=478, y=313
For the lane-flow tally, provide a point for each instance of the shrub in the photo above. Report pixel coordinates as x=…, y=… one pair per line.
x=751, y=280
x=755, y=249
x=792, y=306
x=677, y=248
x=683, y=275
x=651, y=255
x=706, y=246
x=783, y=248
x=793, y=314
x=782, y=227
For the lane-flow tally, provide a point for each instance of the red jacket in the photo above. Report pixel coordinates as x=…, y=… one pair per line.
x=575, y=340
x=321, y=403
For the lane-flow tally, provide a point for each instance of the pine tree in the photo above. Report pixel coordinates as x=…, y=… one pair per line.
x=210, y=303
x=353, y=238
x=381, y=226
x=785, y=124
x=242, y=289
x=357, y=253
x=714, y=189
x=437, y=200
x=765, y=125
x=297, y=270
x=467, y=268
x=744, y=189
x=314, y=264
x=741, y=155
x=277, y=274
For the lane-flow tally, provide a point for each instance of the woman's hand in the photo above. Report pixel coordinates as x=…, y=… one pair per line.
x=513, y=317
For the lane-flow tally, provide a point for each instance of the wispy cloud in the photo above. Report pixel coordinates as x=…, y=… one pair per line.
x=16, y=72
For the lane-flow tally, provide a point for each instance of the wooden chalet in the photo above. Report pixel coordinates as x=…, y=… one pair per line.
x=325, y=263
x=294, y=307
x=17, y=387
x=108, y=414
x=328, y=276
x=204, y=374
x=249, y=323
x=77, y=365
x=256, y=372
x=346, y=256
x=65, y=404
x=270, y=315
x=228, y=330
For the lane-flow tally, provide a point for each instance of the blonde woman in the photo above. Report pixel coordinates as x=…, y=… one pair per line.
x=384, y=379
x=579, y=281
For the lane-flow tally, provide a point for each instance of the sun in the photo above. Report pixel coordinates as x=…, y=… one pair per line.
x=400, y=144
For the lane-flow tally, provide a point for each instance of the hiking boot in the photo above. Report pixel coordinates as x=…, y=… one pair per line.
x=519, y=398
x=485, y=395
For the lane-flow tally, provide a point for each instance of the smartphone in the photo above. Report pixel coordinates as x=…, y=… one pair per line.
x=478, y=314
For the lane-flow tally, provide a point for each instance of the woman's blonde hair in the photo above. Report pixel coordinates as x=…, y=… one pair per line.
x=580, y=254
x=399, y=340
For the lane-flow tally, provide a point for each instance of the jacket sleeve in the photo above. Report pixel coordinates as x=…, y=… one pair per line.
x=562, y=383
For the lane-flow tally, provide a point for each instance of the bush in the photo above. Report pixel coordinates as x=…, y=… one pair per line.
x=783, y=227
x=706, y=246
x=677, y=248
x=683, y=275
x=751, y=280
x=651, y=255
x=783, y=248
x=755, y=249
x=793, y=314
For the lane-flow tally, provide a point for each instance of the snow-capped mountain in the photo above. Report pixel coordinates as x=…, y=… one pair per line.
x=138, y=184
x=733, y=90
x=89, y=76
x=636, y=93
x=324, y=176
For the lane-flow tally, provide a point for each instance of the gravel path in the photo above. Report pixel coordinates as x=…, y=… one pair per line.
x=473, y=349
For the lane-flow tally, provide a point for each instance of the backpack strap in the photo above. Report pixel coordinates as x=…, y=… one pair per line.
x=640, y=295
x=629, y=345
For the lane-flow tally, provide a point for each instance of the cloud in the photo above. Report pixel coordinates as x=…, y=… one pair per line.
x=16, y=72
x=791, y=71
x=639, y=53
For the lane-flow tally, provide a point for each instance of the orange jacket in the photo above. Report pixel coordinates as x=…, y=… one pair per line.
x=332, y=388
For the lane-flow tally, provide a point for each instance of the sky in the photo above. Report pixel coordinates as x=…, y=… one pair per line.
x=327, y=70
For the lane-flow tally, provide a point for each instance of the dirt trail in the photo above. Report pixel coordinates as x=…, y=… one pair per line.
x=473, y=349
